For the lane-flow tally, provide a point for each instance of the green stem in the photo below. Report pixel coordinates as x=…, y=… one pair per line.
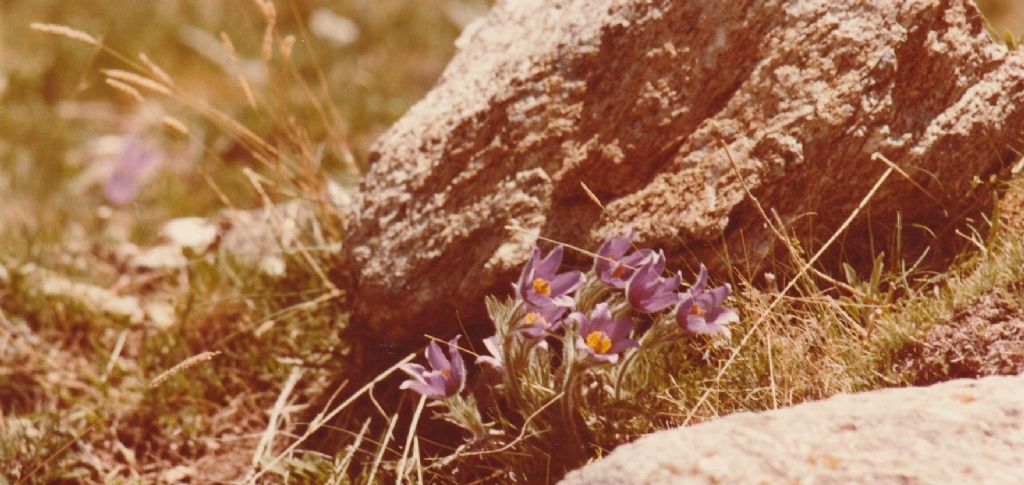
x=570, y=385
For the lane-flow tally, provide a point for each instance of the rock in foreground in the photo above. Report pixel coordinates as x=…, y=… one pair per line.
x=965, y=431
x=632, y=98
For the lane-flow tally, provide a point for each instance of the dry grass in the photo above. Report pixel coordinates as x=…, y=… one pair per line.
x=89, y=396
x=814, y=338
x=260, y=111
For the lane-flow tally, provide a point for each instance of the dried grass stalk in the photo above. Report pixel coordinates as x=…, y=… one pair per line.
x=287, y=44
x=156, y=70
x=126, y=89
x=267, y=10
x=175, y=124
x=64, y=31
x=229, y=46
x=140, y=81
x=247, y=91
x=181, y=367
x=267, y=49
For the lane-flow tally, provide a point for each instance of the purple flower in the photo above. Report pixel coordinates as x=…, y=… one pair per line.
x=542, y=285
x=122, y=185
x=613, y=266
x=648, y=291
x=603, y=337
x=701, y=312
x=446, y=377
x=540, y=321
x=497, y=357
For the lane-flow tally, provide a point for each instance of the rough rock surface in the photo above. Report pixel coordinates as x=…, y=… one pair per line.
x=965, y=431
x=984, y=338
x=632, y=97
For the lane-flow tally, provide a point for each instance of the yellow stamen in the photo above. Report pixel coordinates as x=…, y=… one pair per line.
x=446, y=373
x=619, y=272
x=697, y=310
x=599, y=342
x=534, y=317
x=542, y=286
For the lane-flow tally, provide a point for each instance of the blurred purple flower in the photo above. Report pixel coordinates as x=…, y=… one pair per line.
x=542, y=320
x=648, y=291
x=497, y=357
x=122, y=185
x=603, y=337
x=446, y=377
x=701, y=312
x=613, y=266
x=543, y=286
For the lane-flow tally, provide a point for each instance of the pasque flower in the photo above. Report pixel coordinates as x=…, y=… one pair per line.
x=497, y=357
x=613, y=266
x=542, y=320
x=446, y=377
x=701, y=310
x=541, y=285
x=602, y=337
x=650, y=292
x=123, y=183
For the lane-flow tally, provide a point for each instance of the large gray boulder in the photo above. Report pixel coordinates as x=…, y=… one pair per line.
x=632, y=97
x=965, y=431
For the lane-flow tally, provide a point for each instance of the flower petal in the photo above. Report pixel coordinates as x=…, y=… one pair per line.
x=564, y=301
x=611, y=250
x=720, y=293
x=622, y=345
x=698, y=325
x=422, y=388
x=547, y=267
x=415, y=371
x=684, y=307
x=619, y=328
x=723, y=316
x=436, y=357
x=439, y=382
x=639, y=287
x=496, y=359
x=657, y=296
x=534, y=331
x=702, y=280
x=566, y=282
x=526, y=277
x=607, y=358
x=458, y=369
x=658, y=261
x=551, y=319
x=638, y=258
x=706, y=301
x=582, y=321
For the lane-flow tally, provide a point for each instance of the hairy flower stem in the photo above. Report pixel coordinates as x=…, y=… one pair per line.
x=569, y=415
x=570, y=388
x=624, y=366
